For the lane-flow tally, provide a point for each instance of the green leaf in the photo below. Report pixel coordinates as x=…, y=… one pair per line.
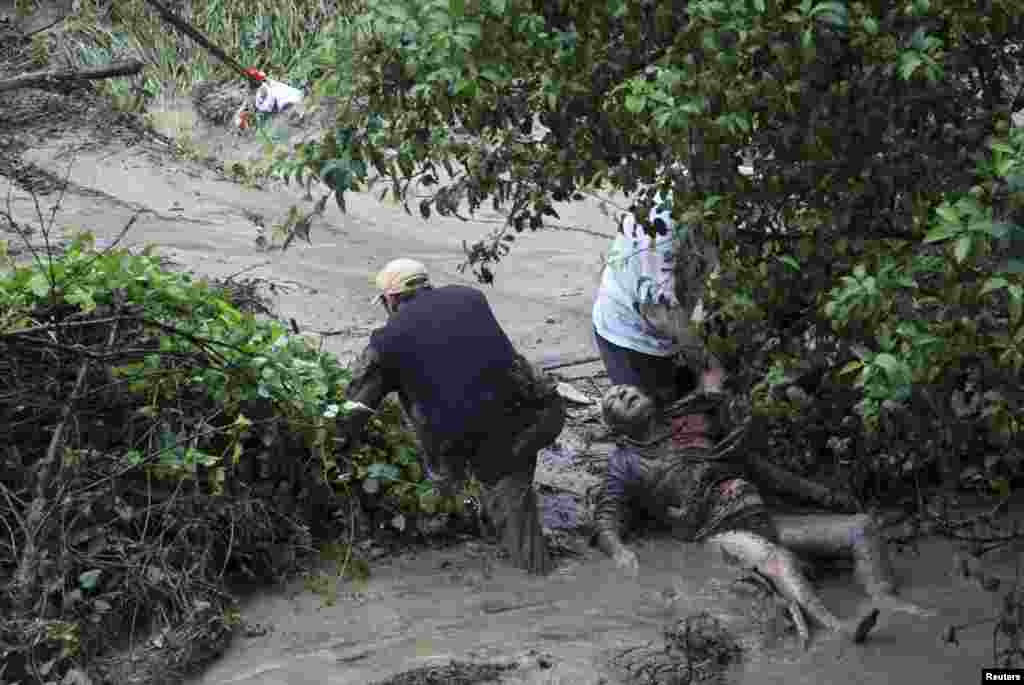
x=909, y=62
x=394, y=11
x=833, y=13
x=498, y=6
x=963, y=248
x=948, y=213
x=893, y=367
x=406, y=456
x=383, y=472
x=994, y=284
x=470, y=29
x=870, y=25
x=39, y=284
x=490, y=74
x=830, y=7
x=635, y=103
x=82, y=298
x=943, y=232
x=790, y=262
x=90, y=579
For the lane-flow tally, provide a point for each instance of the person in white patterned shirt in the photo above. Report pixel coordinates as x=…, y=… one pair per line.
x=639, y=325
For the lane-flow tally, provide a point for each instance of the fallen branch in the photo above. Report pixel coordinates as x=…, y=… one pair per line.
x=576, y=362
x=56, y=78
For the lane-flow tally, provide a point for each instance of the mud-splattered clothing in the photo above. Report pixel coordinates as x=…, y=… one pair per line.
x=474, y=403
x=488, y=413
x=445, y=348
x=677, y=473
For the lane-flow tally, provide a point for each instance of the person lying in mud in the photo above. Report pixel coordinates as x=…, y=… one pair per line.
x=475, y=403
x=669, y=476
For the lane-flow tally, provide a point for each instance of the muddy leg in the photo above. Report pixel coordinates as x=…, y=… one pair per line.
x=512, y=514
x=783, y=568
x=855, y=537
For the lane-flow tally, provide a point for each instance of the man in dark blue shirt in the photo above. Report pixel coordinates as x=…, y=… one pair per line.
x=476, y=404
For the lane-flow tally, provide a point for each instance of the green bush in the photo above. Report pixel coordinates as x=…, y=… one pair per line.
x=244, y=360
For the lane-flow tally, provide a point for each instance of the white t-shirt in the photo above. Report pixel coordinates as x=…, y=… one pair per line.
x=639, y=271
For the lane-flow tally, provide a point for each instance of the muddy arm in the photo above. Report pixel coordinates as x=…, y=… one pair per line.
x=612, y=515
x=368, y=387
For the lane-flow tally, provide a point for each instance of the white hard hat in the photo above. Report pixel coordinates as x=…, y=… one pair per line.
x=401, y=276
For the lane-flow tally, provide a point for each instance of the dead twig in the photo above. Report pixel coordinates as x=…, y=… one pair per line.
x=26, y=576
x=70, y=324
x=575, y=362
x=55, y=78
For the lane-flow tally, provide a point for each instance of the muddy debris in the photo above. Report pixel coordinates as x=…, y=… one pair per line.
x=696, y=649
x=452, y=673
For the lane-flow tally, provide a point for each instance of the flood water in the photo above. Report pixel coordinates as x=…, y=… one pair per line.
x=450, y=603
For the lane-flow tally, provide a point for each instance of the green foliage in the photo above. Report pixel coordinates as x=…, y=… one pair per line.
x=244, y=358
x=965, y=283
x=872, y=236
x=390, y=455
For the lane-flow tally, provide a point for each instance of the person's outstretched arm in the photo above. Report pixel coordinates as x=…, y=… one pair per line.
x=613, y=514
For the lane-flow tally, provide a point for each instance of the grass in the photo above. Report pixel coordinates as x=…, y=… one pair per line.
x=296, y=41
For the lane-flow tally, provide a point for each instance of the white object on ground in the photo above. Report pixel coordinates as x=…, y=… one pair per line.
x=274, y=96
x=572, y=394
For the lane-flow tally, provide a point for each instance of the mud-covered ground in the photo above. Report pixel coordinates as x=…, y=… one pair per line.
x=424, y=607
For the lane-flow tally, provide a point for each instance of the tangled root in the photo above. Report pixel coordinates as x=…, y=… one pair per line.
x=697, y=649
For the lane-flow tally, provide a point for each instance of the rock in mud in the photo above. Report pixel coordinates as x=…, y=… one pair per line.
x=451, y=673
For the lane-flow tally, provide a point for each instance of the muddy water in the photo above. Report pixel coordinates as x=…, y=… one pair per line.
x=451, y=603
